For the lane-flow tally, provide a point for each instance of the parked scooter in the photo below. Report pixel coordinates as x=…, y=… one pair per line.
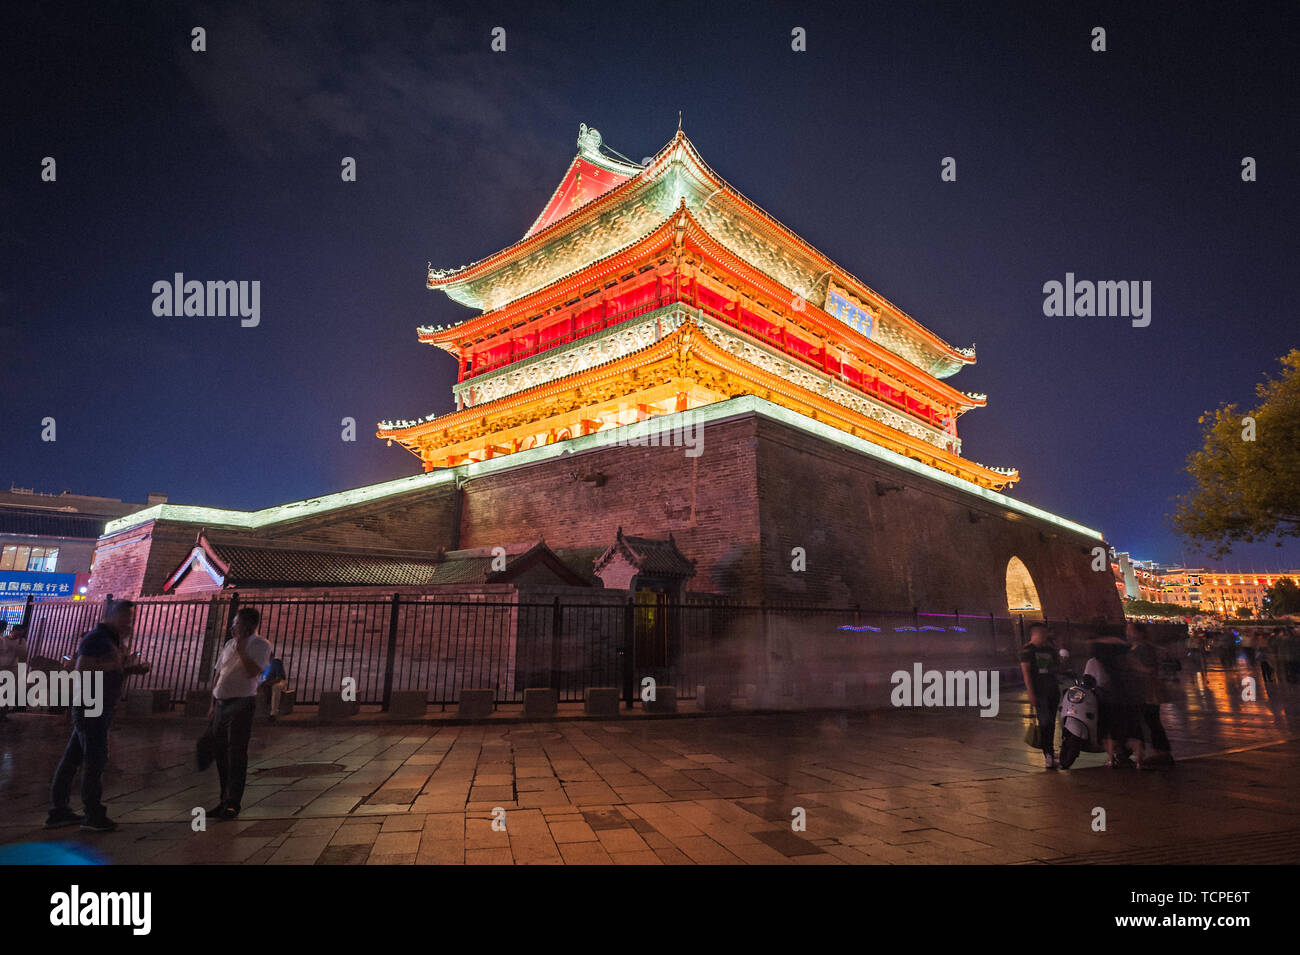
x=1080, y=709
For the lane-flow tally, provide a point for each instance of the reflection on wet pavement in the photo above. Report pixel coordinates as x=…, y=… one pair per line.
x=897, y=786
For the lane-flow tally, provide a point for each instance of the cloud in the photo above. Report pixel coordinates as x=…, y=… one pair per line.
x=304, y=79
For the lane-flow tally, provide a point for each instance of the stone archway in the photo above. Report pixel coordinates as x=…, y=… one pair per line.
x=1022, y=594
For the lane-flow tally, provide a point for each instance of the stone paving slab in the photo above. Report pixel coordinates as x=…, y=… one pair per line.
x=894, y=787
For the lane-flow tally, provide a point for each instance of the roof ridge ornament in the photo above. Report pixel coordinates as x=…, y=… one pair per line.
x=589, y=140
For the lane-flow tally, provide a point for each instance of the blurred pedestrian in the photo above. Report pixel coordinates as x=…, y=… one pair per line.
x=1124, y=699
x=1248, y=645
x=1145, y=658
x=101, y=650
x=1196, y=651
x=1265, y=656
x=13, y=652
x=1096, y=668
x=1227, y=641
x=1039, y=664
x=1291, y=659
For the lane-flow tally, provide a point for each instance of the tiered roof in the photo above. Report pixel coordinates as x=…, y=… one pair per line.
x=664, y=272
x=619, y=217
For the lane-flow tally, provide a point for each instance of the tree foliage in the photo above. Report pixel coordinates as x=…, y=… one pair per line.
x=1246, y=477
x=1283, y=598
x=1151, y=608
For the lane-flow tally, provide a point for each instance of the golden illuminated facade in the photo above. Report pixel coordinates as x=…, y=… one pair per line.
x=649, y=290
x=1211, y=591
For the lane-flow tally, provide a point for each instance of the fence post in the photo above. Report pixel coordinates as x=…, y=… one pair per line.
x=391, y=662
x=230, y=615
x=629, y=650
x=557, y=660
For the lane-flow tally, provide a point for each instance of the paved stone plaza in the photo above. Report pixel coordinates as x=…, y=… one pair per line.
x=901, y=786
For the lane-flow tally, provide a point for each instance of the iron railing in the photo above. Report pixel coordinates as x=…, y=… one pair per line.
x=444, y=644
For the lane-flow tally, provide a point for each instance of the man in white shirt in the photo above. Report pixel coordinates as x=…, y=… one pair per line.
x=234, y=692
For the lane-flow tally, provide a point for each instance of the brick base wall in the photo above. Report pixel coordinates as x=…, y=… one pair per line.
x=759, y=489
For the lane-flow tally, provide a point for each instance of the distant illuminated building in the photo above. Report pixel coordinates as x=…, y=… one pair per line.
x=1207, y=590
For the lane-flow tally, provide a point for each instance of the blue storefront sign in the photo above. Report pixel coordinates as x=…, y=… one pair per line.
x=848, y=312
x=20, y=583
x=17, y=585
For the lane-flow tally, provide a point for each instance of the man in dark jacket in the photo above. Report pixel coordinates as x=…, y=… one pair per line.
x=100, y=650
x=1039, y=664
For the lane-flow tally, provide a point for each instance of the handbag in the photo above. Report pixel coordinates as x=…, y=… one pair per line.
x=204, y=750
x=1033, y=732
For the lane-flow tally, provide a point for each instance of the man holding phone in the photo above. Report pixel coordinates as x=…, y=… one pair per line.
x=234, y=693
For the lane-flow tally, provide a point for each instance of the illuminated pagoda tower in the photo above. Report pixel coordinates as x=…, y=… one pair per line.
x=646, y=290
x=649, y=302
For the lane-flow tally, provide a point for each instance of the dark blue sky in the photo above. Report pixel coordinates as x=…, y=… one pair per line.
x=225, y=165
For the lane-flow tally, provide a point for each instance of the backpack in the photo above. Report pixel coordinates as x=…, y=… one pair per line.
x=274, y=672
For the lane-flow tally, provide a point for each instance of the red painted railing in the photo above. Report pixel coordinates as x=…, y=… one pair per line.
x=816, y=360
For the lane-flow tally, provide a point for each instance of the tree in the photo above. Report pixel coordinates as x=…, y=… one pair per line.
x=1150, y=608
x=1246, y=476
x=1283, y=598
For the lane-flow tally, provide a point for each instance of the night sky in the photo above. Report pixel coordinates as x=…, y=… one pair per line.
x=225, y=165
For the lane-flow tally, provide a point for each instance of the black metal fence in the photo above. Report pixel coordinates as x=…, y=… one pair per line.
x=445, y=644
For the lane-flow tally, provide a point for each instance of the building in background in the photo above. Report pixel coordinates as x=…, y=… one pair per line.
x=1205, y=589
x=1125, y=570
x=1224, y=593
x=47, y=543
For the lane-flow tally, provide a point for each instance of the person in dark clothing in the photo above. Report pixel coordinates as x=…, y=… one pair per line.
x=1227, y=649
x=1123, y=704
x=1291, y=648
x=13, y=653
x=1039, y=664
x=1145, y=658
x=1265, y=653
x=100, y=650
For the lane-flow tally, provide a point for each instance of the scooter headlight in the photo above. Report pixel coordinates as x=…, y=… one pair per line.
x=1074, y=695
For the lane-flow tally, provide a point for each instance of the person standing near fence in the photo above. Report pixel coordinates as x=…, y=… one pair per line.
x=275, y=680
x=234, y=696
x=99, y=650
x=13, y=651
